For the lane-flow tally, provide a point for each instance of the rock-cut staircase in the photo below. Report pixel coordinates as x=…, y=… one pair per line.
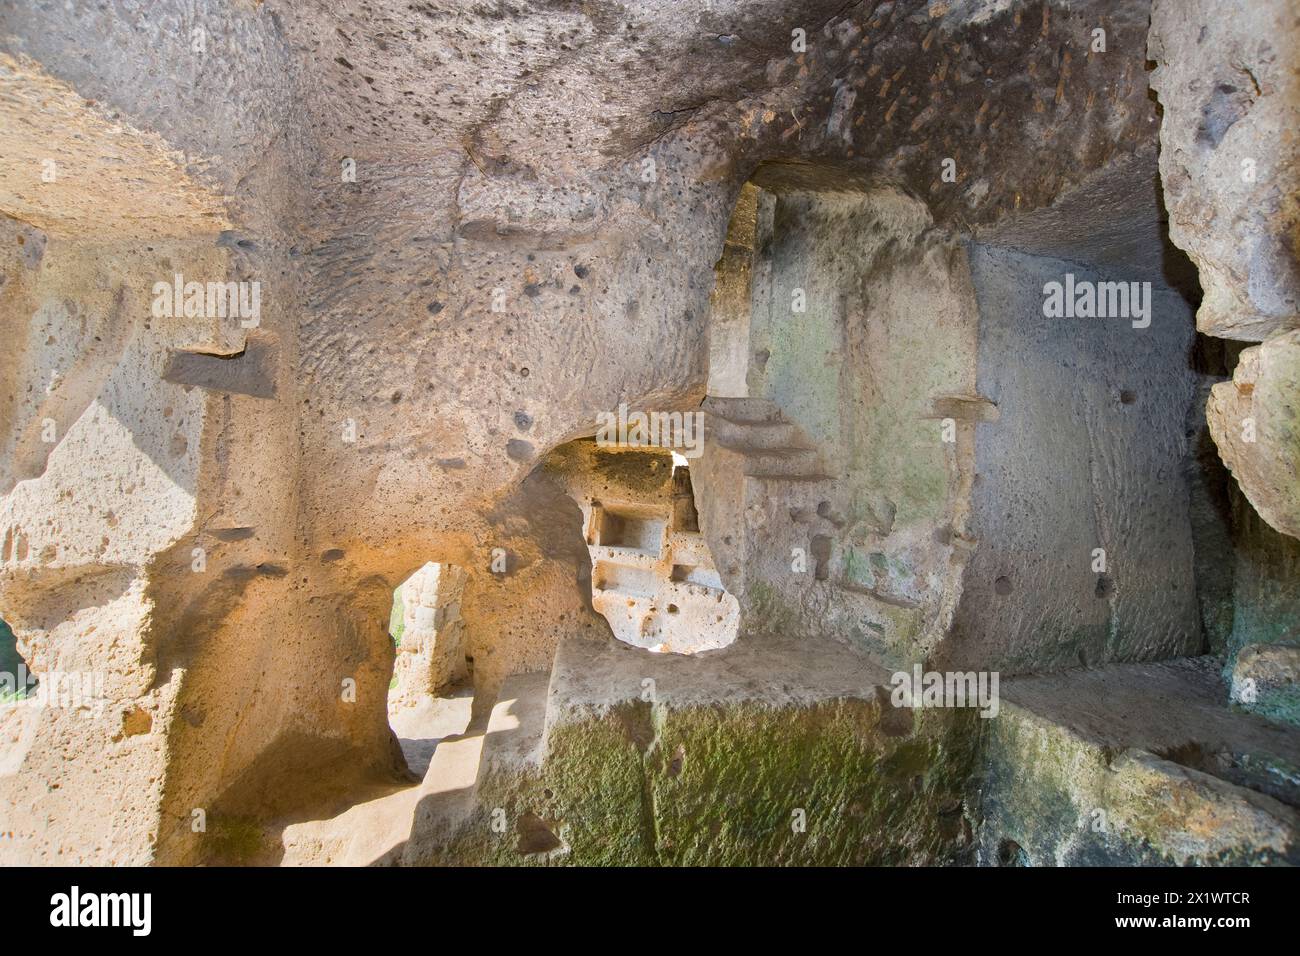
x=772, y=446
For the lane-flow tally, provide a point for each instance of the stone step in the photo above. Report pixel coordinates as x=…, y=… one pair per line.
x=756, y=436
x=774, y=447
x=508, y=741
x=744, y=411
x=794, y=465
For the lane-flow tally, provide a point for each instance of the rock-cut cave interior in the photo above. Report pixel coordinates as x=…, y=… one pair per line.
x=693, y=433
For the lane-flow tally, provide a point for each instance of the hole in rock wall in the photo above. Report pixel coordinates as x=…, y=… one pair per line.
x=18, y=723
x=431, y=693
x=17, y=682
x=633, y=528
x=1010, y=853
x=652, y=575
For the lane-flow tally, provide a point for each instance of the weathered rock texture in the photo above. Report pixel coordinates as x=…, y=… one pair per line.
x=718, y=759
x=1135, y=764
x=815, y=530
x=473, y=232
x=430, y=634
x=1255, y=421
x=1230, y=166
x=1230, y=158
x=1087, y=454
x=1266, y=680
x=652, y=576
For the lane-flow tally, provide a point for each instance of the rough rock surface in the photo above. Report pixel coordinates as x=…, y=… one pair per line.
x=715, y=760
x=1255, y=421
x=77, y=170
x=1136, y=764
x=1230, y=156
x=1086, y=454
x=1266, y=680
x=814, y=530
x=429, y=633
x=475, y=229
x=652, y=576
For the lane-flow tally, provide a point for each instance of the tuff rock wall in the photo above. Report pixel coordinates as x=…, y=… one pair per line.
x=473, y=234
